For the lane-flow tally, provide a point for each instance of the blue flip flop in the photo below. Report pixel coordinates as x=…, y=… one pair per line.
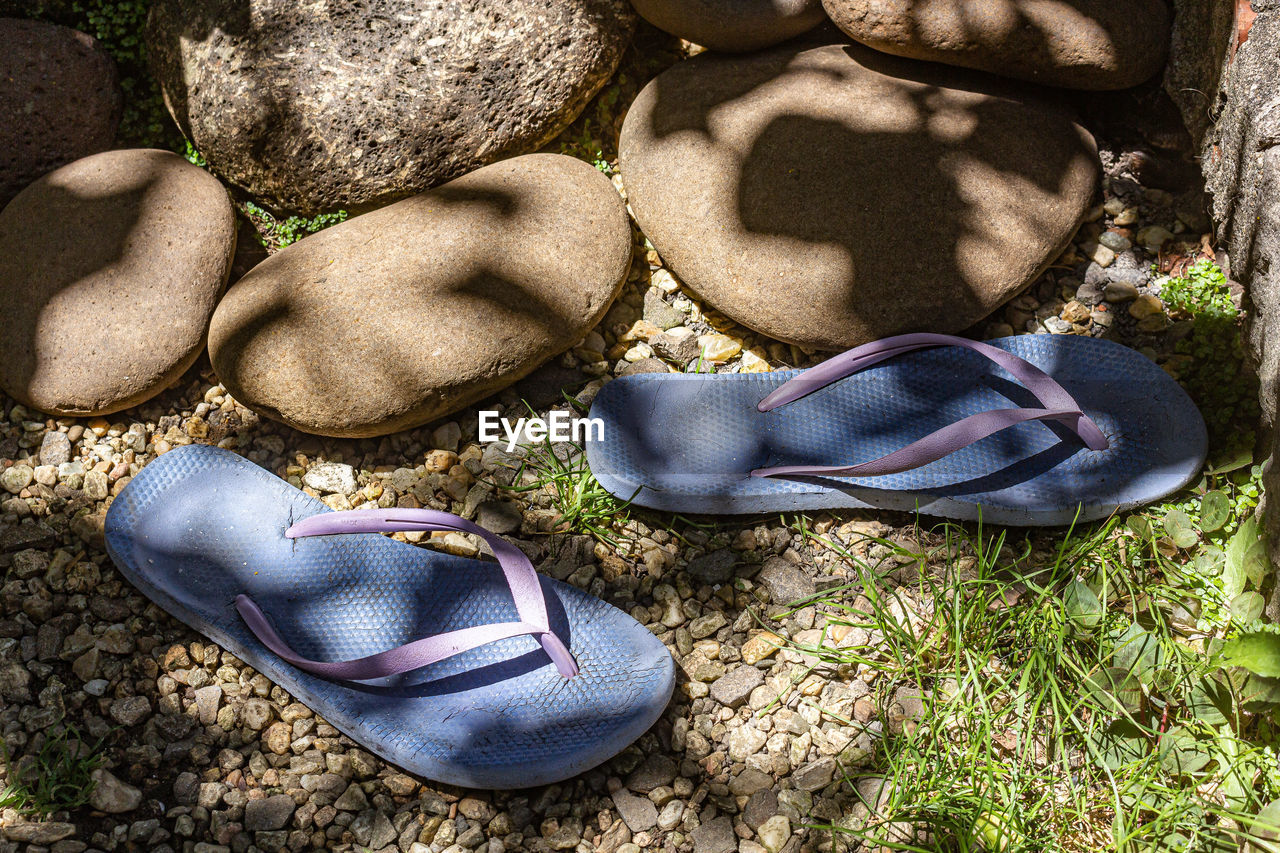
x=468, y=672
x=1026, y=430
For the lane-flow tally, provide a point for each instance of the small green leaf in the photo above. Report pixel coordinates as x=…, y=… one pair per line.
x=1180, y=752
x=1209, y=702
x=1256, y=651
x=1082, y=605
x=1179, y=529
x=1137, y=651
x=1247, y=606
x=1209, y=561
x=1233, y=463
x=1119, y=744
x=1259, y=694
x=1247, y=555
x=1140, y=527
x=1116, y=690
x=1215, y=511
x=996, y=832
x=1264, y=830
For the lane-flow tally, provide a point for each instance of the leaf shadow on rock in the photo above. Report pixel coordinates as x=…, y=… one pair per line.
x=818, y=185
x=358, y=360
x=1005, y=28
x=378, y=113
x=99, y=232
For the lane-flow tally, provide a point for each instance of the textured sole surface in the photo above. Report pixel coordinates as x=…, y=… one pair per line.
x=686, y=443
x=200, y=525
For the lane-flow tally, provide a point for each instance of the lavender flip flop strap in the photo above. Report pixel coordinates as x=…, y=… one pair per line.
x=526, y=590
x=1058, y=405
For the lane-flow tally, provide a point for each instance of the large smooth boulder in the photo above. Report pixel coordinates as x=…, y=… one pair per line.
x=110, y=268
x=316, y=106
x=60, y=99
x=733, y=25
x=418, y=309
x=832, y=196
x=1079, y=44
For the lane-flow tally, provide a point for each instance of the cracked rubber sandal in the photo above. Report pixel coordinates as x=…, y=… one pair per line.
x=469, y=672
x=1027, y=430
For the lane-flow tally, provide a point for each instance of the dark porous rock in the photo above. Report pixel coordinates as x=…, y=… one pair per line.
x=761, y=806
x=418, y=309
x=60, y=98
x=110, y=268
x=733, y=25
x=833, y=195
x=311, y=107
x=1242, y=161
x=1079, y=44
x=1204, y=35
x=15, y=537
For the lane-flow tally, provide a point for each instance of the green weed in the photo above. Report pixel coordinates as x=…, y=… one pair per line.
x=58, y=777
x=277, y=233
x=1074, y=698
x=560, y=471
x=1211, y=360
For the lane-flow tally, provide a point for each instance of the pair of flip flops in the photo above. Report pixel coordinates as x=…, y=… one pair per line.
x=1027, y=430
x=487, y=675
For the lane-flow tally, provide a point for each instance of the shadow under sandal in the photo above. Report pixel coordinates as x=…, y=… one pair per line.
x=468, y=672
x=1025, y=430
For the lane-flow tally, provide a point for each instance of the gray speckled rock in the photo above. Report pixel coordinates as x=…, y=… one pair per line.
x=403, y=314
x=733, y=25
x=322, y=105
x=1080, y=44
x=60, y=98
x=834, y=195
x=110, y=268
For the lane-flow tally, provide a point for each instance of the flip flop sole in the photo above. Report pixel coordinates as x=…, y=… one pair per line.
x=687, y=443
x=199, y=526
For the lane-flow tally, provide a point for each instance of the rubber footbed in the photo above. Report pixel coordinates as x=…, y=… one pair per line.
x=688, y=442
x=199, y=526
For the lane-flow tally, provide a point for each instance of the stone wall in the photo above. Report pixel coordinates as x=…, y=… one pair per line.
x=1241, y=159
x=1203, y=33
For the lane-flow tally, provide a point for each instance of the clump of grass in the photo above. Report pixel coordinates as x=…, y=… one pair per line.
x=1075, y=701
x=57, y=777
x=560, y=471
x=1213, y=366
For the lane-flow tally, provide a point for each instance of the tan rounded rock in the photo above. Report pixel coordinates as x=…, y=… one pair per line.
x=415, y=310
x=832, y=196
x=110, y=268
x=1079, y=44
x=733, y=25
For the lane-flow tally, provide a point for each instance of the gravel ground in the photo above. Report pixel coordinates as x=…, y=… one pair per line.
x=203, y=754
